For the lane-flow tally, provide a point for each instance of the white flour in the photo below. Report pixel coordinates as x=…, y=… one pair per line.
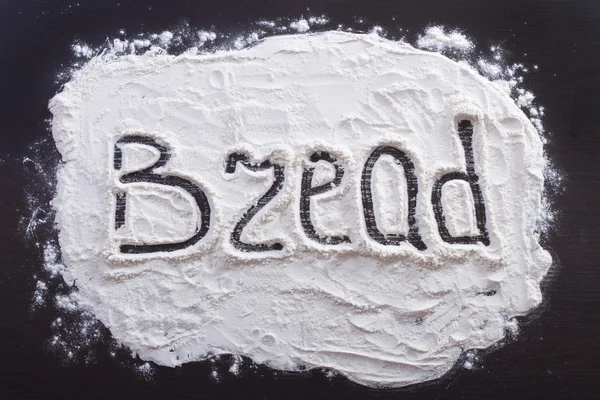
x=383, y=315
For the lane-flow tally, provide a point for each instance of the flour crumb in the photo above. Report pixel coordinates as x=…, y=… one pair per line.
x=322, y=20
x=205, y=36
x=470, y=360
x=436, y=38
x=146, y=370
x=41, y=289
x=300, y=26
x=235, y=365
x=66, y=302
x=265, y=23
x=82, y=50
x=490, y=69
x=51, y=263
x=512, y=326
x=215, y=375
x=377, y=31
x=244, y=41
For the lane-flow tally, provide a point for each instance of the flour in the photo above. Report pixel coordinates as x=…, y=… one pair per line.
x=380, y=314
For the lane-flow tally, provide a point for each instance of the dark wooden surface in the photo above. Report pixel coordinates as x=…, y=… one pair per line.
x=557, y=354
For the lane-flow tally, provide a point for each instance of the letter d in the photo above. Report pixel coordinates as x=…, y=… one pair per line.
x=465, y=133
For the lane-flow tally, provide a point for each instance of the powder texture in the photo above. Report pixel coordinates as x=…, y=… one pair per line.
x=380, y=314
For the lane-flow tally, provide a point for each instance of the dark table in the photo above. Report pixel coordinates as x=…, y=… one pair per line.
x=557, y=353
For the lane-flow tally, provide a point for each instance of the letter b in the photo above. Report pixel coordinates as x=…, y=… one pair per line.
x=149, y=175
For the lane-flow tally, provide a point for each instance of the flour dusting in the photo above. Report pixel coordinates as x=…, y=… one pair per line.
x=325, y=286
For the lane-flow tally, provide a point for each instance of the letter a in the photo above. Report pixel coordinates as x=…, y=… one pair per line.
x=412, y=187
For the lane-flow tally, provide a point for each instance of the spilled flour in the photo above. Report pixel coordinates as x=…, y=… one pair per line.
x=325, y=200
